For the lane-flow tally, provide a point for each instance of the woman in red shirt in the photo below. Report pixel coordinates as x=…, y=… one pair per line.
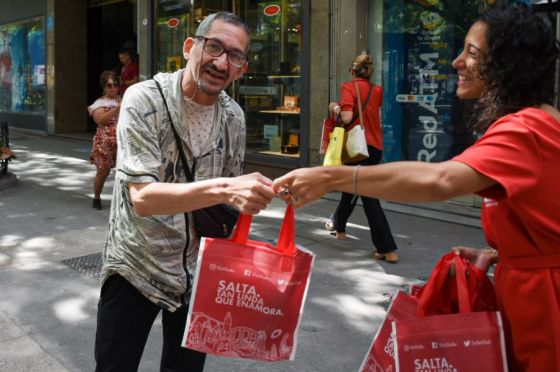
x=371, y=98
x=509, y=63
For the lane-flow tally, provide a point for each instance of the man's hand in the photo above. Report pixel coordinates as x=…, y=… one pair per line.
x=250, y=193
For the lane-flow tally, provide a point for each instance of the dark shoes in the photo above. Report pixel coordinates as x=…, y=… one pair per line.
x=96, y=204
x=391, y=257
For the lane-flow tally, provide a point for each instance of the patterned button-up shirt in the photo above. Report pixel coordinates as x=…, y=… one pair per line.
x=149, y=251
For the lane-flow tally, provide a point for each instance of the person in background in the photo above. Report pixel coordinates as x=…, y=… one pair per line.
x=361, y=71
x=508, y=63
x=130, y=74
x=150, y=255
x=105, y=113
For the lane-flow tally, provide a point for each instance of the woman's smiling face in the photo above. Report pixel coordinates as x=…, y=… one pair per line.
x=470, y=85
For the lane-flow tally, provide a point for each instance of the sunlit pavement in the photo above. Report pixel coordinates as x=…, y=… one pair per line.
x=47, y=309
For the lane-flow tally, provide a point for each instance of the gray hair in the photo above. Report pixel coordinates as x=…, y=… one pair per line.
x=206, y=24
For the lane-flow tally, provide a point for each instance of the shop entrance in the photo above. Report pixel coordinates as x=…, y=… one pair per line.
x=111, y=28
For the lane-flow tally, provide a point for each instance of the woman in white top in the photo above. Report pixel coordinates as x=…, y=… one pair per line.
x=105, y=113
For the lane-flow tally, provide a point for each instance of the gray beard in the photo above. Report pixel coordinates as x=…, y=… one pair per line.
x=201, y=87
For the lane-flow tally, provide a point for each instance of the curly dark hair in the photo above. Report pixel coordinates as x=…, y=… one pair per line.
x=518, y=67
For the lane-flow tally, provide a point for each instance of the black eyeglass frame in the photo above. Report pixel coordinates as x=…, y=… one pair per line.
x=224, y=50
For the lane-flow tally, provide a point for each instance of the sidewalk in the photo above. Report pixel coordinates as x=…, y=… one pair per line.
x=48, y=308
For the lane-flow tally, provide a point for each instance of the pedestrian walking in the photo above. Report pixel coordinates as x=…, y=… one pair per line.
x=508, y=62
x=371, y=97
x=151, y=249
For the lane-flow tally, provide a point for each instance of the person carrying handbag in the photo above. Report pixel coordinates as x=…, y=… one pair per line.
x=370, y=98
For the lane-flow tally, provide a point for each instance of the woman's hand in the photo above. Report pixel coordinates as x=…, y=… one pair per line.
x=481, y=258
x=334, y=107
x=304, y=185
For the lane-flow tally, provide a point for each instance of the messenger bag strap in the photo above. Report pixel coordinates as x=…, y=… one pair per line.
x=190, y=179
x=184, y=162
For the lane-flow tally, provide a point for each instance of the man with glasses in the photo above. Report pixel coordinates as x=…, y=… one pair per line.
x=150, y=253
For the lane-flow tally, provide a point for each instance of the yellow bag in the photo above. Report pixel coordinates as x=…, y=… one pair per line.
x=333, y=156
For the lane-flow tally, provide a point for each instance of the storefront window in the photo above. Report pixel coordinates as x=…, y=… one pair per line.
x=22, y=66
x=172, y=27
x=175, y=21
x=270, y=90
x=423, y=119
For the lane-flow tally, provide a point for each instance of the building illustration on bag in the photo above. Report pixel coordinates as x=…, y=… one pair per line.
x=224, y=338
x=373, y=365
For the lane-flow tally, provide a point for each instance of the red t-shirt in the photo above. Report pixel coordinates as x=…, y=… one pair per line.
x=372, y=123
x=521, y=219
x=128, y=72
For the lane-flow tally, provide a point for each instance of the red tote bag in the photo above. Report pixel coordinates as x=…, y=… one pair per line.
x=466, y=338
x=380, y=357
x=328, y=125
x=248, y=296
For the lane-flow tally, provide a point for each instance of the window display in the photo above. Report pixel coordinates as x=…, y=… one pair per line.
x=22, y=66
x=270, y=90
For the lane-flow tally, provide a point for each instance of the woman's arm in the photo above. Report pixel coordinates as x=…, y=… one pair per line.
x=102, y=117
x=398, y=181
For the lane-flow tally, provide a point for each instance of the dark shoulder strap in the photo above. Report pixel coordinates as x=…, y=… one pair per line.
x=190, y=179
x=184, y=162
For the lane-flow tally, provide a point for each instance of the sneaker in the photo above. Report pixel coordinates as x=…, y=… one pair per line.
x=391, y=257
x=96, y=204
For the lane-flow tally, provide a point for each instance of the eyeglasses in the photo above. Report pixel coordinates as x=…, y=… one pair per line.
x=215, y=48
x=112, y=85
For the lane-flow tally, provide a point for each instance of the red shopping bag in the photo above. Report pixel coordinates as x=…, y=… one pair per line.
x=380, y=357
x=328, y=125
x=248, y=296
x=441, y=294
x=464, y=342
x=467, y=338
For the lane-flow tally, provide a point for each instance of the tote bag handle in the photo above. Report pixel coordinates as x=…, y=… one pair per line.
x=286, y=239
x=432, y=291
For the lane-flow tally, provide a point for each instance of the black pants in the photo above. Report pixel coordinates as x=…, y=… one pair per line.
x=380, y=231
x=124, y=320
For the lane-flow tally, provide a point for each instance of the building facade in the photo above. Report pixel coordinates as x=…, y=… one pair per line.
x=52, y=52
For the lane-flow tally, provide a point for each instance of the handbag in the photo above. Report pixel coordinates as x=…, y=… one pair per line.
x=356, y=144
x=216, y=221
x=328, y=125
x=450, y=324
x=248, y=296
x=468, y=337
x=380, y=356
x=333, y=156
